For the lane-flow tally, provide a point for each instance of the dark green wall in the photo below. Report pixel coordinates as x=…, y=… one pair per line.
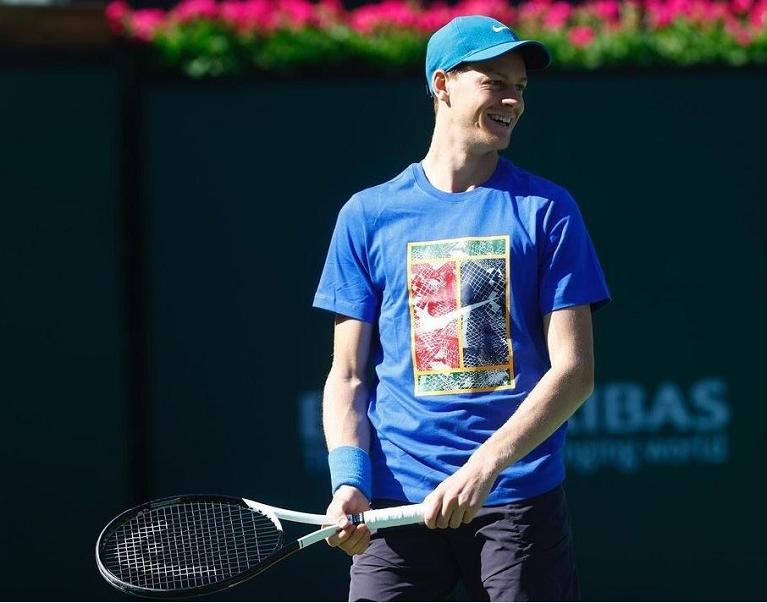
x=63, y=444
x=669, y=172
x=243, y=181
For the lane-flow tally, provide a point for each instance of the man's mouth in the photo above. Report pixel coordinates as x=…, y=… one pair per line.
x=504, y=120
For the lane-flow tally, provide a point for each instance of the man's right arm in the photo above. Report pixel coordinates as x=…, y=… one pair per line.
x=345, y=421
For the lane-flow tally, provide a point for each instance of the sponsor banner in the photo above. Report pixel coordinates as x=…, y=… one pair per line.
x=627, y=426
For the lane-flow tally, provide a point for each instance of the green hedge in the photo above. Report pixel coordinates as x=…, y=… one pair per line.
x=208, y=38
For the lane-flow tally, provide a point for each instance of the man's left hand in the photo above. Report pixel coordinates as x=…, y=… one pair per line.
x=458, y=499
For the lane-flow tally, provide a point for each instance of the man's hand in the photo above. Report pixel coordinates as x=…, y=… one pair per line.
x=458, y=499
x=351, y=539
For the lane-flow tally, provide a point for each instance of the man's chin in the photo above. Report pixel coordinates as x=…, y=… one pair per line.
x=502, y=146
x=501, y=143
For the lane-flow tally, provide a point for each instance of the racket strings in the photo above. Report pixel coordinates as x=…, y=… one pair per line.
x=188, y=545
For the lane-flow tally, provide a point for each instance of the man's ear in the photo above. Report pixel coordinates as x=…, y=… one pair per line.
x=439, y=85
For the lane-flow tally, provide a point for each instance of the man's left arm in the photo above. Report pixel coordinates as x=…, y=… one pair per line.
x=559, y=393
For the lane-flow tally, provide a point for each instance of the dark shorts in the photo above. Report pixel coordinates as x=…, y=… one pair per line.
x=515, y=552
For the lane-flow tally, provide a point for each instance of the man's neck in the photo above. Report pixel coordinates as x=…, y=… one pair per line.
x=452, y=169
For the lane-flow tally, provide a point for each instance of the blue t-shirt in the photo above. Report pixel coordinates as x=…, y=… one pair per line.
x=457, y=285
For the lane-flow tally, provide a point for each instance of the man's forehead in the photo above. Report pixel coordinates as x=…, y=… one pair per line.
x=510, y=64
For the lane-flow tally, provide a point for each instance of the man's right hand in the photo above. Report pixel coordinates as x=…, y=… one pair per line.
x=351, y=539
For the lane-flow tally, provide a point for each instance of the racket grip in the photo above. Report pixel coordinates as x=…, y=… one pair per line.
x=388, y=518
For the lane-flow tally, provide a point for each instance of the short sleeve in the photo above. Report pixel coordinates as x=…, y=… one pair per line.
x=570, y=273
x=346, y=285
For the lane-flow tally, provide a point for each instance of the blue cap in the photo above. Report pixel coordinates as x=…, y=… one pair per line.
x=477, y=38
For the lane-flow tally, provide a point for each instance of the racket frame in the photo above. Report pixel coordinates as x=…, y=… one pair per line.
x=382, y=518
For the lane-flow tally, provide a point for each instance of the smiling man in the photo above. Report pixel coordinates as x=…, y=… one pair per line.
x=469, y=284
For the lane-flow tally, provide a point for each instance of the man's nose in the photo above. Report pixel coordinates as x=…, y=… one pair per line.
x=512, y=100
x=512, y=96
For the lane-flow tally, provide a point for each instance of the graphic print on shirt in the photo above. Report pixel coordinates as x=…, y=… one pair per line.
x=458, y=291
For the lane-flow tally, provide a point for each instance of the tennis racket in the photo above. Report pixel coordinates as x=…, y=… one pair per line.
x=186, y=546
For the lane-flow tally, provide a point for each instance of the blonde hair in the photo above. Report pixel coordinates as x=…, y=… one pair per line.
x=448, y=74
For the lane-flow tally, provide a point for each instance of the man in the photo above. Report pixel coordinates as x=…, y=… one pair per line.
x=469, y=284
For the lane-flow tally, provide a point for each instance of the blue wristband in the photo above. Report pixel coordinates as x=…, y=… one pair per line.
x=350, y=466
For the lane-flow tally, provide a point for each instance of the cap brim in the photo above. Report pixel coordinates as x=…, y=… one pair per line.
x=534, y=53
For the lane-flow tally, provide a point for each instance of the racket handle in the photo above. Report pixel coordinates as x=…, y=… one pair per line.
x=388, y=518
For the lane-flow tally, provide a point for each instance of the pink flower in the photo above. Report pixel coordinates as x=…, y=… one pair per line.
x=189, y=10
x=758, y=16
x=498, y=9
x=711, y=12
x=659, y=14
x=532, y=12
x=740, y=7
x=248, y=16
x=146, y=22
x=734, y=27
x=581, y=36
x=744, y=37
x=295, y=13
x=367, y=18
x=439, y=14
x=116, y=13
x=329, y=12
x=681, y=7
x=231, y=12
x=557, y=15
x=606, y=10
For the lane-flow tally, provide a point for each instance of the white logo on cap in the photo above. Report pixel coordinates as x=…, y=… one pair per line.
x=497, y=28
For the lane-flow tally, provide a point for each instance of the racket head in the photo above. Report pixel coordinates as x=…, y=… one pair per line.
x=189, y=545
